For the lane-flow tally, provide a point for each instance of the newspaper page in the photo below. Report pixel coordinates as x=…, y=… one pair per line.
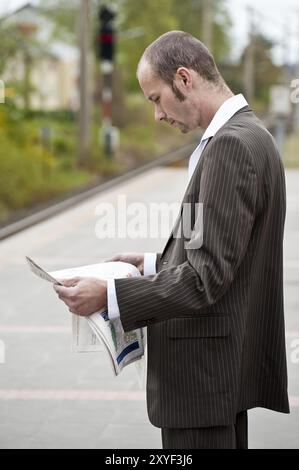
x=38, y=271
x=123, y=348
x=91, y=333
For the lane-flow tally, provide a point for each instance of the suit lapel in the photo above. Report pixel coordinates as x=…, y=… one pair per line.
x=191, y=182
x=177, y=223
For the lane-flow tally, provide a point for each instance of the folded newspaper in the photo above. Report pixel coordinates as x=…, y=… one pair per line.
x=90, y=333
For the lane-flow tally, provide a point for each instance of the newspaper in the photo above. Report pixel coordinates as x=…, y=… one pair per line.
x=91, y=334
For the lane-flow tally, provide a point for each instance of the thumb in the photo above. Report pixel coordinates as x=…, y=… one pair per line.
x=69, y=282
x=114, y=258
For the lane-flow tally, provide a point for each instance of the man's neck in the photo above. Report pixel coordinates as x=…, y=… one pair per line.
x=214, y=105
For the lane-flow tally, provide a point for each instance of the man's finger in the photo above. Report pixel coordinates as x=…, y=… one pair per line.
x=62, y=291
x=115, y=258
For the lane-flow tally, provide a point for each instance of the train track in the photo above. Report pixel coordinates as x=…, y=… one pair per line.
x=54, y=207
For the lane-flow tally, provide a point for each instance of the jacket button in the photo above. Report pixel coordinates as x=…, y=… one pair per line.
x=164, y=262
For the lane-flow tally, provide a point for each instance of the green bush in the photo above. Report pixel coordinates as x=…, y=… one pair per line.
x=29, y=172
x=22, y=174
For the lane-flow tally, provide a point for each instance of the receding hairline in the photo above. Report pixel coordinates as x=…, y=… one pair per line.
x=176, y=49
x=144, y=66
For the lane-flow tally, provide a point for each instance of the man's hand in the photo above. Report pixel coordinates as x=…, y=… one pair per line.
x=83, y=296
x=137, y=259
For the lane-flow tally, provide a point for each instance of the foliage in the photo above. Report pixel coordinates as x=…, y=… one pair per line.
x=63, y=15
x=10, y=42
x=29, y=172
x=23, y=167
x=267, y=73
x=192, y=23
x=152, y=20
x=19, y=49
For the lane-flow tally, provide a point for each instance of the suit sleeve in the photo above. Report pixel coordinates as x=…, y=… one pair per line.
x=158, y=261
x=228, y=193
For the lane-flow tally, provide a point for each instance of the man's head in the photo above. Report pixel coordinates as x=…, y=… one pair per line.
x=178, y=73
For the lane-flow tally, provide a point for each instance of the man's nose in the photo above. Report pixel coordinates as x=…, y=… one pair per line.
x=159, y=114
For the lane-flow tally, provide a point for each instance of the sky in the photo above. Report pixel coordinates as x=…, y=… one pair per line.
x=278, y=19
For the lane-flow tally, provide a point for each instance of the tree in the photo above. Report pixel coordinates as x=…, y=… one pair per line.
x=153, y=19
x=63, y=15
x=11, y=41
x=266, y=72
x=18, y=45
x=189, y=14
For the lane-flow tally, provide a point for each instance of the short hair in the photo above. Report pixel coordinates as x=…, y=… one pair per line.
x=180, y=49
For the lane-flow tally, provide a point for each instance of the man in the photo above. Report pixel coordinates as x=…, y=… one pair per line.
x=213, y=300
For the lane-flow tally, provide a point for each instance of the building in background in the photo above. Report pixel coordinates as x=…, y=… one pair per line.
x=52, y=69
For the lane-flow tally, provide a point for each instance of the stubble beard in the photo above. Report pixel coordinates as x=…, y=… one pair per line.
x=183, y=128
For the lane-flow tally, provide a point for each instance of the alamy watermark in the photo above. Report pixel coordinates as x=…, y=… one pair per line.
x=295, y=351
x=295, y=93
x=2, y=92
x=2, y=352
x=154, y=220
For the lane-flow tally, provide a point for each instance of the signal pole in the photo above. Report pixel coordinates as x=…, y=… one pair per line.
x=106, y=46
x=84, y=112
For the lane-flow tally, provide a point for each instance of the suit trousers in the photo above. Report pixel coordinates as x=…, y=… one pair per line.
x=234, y=436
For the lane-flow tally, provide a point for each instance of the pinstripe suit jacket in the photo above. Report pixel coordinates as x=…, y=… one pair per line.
x=215, y=315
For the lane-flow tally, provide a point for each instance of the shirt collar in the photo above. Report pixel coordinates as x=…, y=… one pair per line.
x=227, y=110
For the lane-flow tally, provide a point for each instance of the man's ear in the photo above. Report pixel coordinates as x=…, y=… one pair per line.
x=184, y=77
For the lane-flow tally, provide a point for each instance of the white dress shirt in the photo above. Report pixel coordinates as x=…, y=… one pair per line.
x=226, y=111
